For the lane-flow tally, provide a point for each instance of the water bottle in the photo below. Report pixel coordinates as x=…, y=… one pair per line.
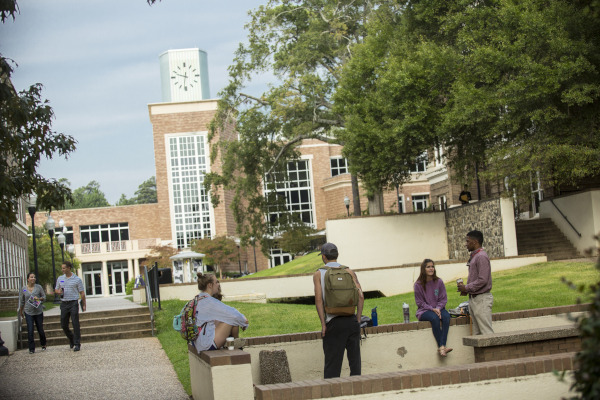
x=374, y=316
x=406, y=310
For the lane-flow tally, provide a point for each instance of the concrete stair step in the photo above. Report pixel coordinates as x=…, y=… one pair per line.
x=89, y=329
x=542, y=236
x=54, y=323
x=94, y=337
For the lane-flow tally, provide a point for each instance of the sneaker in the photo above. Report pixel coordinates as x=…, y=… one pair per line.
x=31, y=352
x=43, y=348
x=71, y=345
x=76, y=348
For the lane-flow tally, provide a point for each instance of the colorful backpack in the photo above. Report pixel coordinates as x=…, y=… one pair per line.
x=185, y=322
x=341, y=293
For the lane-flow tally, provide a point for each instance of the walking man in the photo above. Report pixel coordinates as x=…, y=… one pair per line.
x=479, y=285
x=69, y=286
x=339, y=332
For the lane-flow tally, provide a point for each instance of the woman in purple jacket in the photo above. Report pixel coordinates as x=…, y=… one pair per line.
x=431, y=299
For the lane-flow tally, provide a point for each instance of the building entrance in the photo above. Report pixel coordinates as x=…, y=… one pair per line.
x=118, y=275
x=92, y=279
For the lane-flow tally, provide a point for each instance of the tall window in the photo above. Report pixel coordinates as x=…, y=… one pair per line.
x=188, y=159
x=339, y=166
x=296, y=189
x=420, y=202
x=421, y=163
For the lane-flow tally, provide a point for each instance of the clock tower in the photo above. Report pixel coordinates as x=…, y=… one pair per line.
x=184, y=75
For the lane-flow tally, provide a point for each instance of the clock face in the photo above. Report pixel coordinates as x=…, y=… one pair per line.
x=185, y=76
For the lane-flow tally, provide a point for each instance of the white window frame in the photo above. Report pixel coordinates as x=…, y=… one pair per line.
x=339, y=170
x=420, y=200
x=192, y=214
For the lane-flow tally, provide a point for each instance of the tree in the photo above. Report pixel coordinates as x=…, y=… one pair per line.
x=304, y=45
x=587, y=374
x=297, y=239
x=25, y=136
x=161, y=255
x=218, y=250
x=510, y=87
x=88, y=196
x=145, y=194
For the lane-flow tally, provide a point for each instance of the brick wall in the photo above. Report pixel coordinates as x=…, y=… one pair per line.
x=143, y=220
x=528, y=349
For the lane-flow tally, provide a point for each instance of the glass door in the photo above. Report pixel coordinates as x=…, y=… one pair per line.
x=92, y=279
x=118, y=275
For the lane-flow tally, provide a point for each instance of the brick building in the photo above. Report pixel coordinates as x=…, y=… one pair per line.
x=113, y=242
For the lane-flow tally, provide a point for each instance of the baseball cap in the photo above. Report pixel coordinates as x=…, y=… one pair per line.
x=330, y=250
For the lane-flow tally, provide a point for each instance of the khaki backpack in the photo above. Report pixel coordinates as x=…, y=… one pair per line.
x=341, y=293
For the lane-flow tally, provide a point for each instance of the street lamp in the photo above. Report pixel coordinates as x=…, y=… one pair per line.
x=61, y=238
x=71, y=251
x=347, y=203
x=237, y=243
x=50, y=227
x=31, y=207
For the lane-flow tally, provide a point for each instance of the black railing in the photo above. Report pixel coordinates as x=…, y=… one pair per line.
x=565, y=217
x=149, y=299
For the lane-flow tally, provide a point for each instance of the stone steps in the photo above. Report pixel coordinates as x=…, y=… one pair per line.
x=96, y=326
x=542, y=236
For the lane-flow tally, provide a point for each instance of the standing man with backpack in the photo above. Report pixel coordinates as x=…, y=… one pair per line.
x=337, y=295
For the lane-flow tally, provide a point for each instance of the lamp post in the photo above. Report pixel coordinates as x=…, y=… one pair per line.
x=254, y=250
x=31, y=207
x=50, y=227
x=347, y=203
x=237, y=243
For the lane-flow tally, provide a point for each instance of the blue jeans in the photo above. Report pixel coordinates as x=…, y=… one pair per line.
x=39, y=323
x=440, y=333
x=70, y=309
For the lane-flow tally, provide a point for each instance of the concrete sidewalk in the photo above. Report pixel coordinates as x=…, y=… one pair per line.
x=116, y=369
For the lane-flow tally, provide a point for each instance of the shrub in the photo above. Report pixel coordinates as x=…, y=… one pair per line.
x=129, y=287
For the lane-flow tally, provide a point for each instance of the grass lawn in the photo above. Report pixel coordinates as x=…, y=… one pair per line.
x=533, y=286
x=300, y=265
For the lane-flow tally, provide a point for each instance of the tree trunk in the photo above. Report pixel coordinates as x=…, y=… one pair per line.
x=376, y=203
x=355, y=196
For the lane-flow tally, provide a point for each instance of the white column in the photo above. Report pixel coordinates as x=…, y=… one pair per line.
x=130, y=269
x=136, y=267
x=105, y=290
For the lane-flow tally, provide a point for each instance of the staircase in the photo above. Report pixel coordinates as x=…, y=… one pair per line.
x=537, y=236
x=96, y=326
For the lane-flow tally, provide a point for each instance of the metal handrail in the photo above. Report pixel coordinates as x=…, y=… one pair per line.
x=565, y=217
x=149, y=299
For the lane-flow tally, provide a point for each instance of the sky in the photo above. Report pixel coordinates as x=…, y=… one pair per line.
x=98, y=62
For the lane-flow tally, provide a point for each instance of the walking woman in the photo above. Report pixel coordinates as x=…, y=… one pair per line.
x=431, y=299
x=31, y=298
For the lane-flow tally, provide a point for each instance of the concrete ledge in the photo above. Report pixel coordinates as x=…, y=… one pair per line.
x=393, y=381
x=216, y=358
x=524, y=336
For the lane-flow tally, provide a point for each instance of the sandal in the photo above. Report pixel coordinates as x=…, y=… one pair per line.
x=448, y=349
x=442, y=352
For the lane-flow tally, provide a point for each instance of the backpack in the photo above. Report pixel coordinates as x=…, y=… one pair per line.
x=341, y=293
x=185, y=322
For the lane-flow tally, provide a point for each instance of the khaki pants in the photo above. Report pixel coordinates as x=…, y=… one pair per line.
x=480, y=308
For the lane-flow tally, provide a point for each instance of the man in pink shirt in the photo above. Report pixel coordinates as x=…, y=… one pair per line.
x=479, y=285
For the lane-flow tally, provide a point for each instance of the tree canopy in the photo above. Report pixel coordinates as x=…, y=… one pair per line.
x=218, y=250
x=88, y=196
x=25, y=136
x=303, y=45
x=145, y=194
x=512, y=87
